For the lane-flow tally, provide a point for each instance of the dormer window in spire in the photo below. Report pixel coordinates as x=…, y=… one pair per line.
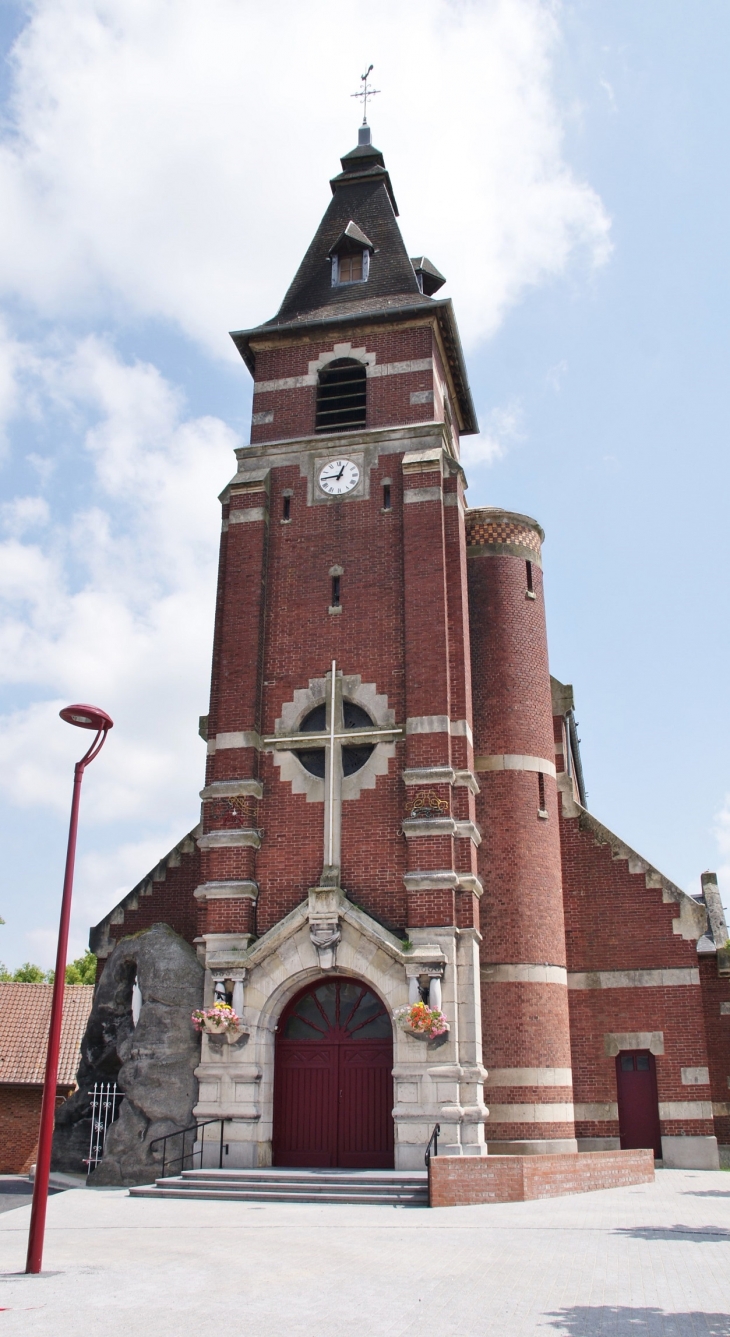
x=350, y=256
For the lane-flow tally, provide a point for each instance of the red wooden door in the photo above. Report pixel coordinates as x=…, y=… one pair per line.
x=333, y=1083
x=638, y=1108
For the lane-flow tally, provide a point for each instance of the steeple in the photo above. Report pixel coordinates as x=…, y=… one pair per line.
x=357, y=268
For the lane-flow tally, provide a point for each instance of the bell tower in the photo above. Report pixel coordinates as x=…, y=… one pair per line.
x=340, y=783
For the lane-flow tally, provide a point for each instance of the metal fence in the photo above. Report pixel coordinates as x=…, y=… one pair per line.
x=105, y=1102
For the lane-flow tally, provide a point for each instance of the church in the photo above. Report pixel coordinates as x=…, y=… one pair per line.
x=394, y=811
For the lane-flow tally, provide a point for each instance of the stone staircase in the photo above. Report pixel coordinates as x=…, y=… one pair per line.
x=396, y=1188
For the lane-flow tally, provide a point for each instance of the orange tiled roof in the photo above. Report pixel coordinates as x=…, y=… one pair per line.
x=25, y=1012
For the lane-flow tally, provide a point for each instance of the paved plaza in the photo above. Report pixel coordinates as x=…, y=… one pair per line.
x=647, y=1261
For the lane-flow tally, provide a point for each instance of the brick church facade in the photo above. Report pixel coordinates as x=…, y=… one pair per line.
x=393, y=807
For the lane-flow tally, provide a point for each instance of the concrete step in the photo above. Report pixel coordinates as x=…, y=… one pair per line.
x=389, y=1187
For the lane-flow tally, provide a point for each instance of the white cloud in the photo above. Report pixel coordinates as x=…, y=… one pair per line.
x=115, y=604
x=23, y=513
x=169, y=163
x=173, y=159
x=504, y=428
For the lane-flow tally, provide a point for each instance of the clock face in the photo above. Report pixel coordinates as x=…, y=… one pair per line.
x=338, y=476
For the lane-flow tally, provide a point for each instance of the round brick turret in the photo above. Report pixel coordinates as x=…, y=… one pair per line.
x=523, y=964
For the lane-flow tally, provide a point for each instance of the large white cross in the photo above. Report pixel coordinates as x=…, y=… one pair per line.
x=332, y=740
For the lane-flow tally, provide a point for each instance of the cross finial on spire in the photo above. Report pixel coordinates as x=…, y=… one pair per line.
x=365, y=93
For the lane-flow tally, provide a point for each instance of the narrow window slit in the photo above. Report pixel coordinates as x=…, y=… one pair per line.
x=528, y=573
x=336, y=591
x=286, y=509
x=386, y=497
x=541, y=808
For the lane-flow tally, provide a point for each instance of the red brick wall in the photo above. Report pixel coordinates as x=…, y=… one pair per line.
x=171, y=902
x=20, y=1115
x=388, y=397
x=464, y=1181
x=614, y=922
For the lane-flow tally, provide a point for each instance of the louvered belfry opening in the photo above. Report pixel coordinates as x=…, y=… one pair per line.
x=341, y=396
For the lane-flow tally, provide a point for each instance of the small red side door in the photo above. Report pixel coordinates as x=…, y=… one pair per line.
x=638, y=1107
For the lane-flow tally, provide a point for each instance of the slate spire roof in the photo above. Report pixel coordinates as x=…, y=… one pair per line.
x=363, y=206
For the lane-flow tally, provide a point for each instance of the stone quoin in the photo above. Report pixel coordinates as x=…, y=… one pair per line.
x=394, y=808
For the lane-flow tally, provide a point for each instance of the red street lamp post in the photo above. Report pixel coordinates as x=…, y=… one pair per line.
x=85, y=717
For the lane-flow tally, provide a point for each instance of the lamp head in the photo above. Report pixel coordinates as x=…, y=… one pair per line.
x=87, y=717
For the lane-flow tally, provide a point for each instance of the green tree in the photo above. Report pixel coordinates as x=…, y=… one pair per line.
x=30, y=974
x=82, y=970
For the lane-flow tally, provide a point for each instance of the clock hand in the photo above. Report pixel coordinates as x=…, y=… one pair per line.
x=339, y=475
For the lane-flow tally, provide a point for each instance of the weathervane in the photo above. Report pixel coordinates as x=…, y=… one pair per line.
x=365, y=93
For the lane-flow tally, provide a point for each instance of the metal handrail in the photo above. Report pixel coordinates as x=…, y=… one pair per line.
x=433, y=1140
x=181, y=1132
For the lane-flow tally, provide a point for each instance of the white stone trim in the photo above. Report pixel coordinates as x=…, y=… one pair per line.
x=372, y=368
x=439, y=724
x=695, y=1076
x=721, y=1108
x=509, y=761
x=685, y=1109
x=415, y=494
x=246, y=516
x=432, y=879
x=471, y=882
x=529, y=1077
x=524, y=974
x=469, y=831
x=429, y=775
x=246, y=738
x=258, y=419
x=616, y=1041
x=725, y=1009
x=443, y=1086
x=633, y=979
x=226, y=891
x=232, y=789
x=404, y=369
x=230, y=839
x=415, y=827
x=559, y=1113
x=596, y=1112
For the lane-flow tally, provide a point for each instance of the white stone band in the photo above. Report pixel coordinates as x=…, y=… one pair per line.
x=529, y=1077
x=230, y=839
x=514, y=761
x=685, y=1109
x=226, y=891
x=633, y=979
x=384, y=369
x=524, y=975
x=602, y=1112
x=531, y=1113
x=413, y=494
x=247, y=515
x=246, y=738
x=438, y=724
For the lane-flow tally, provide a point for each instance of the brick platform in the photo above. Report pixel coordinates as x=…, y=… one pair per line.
x=462, y=1181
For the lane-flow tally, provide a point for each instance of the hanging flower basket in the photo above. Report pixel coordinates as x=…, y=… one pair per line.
x=219, y=1021
x=421, y=1021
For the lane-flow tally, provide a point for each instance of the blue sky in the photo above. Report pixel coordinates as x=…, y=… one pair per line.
x=564, y=165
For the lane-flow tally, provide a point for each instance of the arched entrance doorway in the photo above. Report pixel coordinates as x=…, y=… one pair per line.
x=333, y=1083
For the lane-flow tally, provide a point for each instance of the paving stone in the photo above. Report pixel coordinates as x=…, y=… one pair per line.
x=645, y=1261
